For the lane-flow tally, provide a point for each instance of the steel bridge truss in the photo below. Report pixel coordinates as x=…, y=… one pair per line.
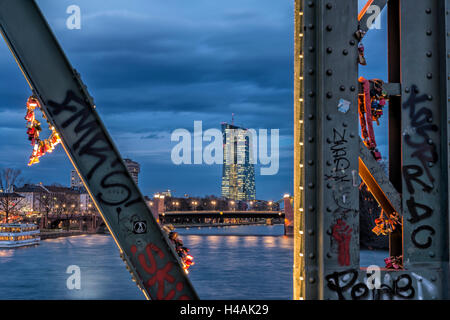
x=330, y=158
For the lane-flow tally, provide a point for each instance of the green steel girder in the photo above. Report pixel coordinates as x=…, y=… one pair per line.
x=327, y=192
x=327, y=149
x=424, y=102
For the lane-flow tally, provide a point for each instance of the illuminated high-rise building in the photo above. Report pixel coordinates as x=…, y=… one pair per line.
x=238, y=175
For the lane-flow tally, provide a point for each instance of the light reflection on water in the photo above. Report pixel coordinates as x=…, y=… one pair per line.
x=228, y=266
x=247, y=262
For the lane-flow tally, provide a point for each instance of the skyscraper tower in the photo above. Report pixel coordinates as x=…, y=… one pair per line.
x=238, y=173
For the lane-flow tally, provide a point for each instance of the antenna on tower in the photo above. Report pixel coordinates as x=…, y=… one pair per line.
x=232, y=119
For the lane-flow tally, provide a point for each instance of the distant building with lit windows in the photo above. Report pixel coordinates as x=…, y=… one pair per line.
x=75, y=180
x=133, y=168
x=238, y=173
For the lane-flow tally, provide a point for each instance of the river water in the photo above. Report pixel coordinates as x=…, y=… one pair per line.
x=232, y=263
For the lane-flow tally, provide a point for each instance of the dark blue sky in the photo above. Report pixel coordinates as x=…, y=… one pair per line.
x=154, y=66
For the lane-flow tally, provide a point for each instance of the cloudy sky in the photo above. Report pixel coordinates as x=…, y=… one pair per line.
x=154, y=66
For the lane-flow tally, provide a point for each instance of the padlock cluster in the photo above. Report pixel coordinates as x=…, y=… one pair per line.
x=40, y=146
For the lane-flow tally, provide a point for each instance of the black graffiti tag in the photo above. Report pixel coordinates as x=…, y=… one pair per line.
x=88, y=129
x=346, y=282
x=424, y=150
x=341, y=163
x=91, y=141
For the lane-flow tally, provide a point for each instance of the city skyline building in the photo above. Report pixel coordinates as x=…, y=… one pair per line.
x=238, y=173
x=134, y=168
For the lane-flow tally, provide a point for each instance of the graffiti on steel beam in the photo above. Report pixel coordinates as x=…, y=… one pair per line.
x=341, y=162
x=419, y=176
x=157, y=275
x=91, y=143
x=345, y=285
x=339, y=181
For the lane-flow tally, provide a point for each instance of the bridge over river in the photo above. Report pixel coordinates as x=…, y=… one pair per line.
x=211, y=217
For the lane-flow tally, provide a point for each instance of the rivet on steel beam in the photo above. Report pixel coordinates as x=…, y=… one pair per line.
x=329, y=186
x=329, y=50
x=352, y=42
x=432, y=254
x=311, y=185
x=329, y=72
x=342, y=88
x=416, y=90
x=311, y=208
x=429, y=32
x=312, y=256
x=329, y=255
x=329, y=6
x=311, y=49
x=328, y=163
x=310, y=117
x=407, y=90
x=429, y=75
x=310, y=162
x=345, y=124
x=312, y=280
x=430, y=97
x=329, y=209
x=352, y=135
x=310, y=139
x=345, y=52
x=329, y=118
x=433, y=278
x=311, y=71
x=329, y=95
x=429, y=54
x=352, y=88
x=311, y=94
x=430, y=142
x=310, y=4
x=311, y=26
x=311, y=232
x=428, y=10
x=328, y=140
x=329, y=28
